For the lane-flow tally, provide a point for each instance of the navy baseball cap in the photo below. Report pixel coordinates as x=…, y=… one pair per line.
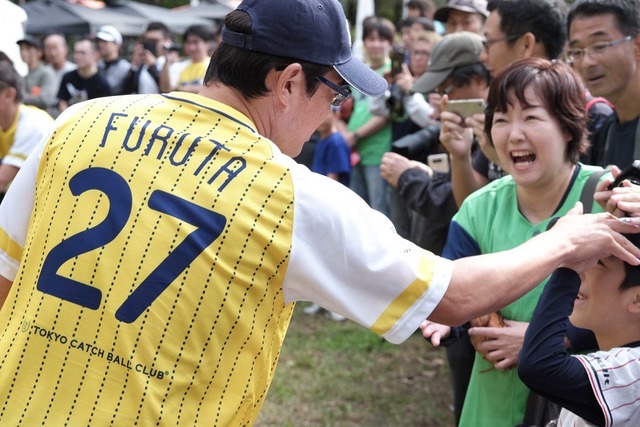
x=309, y=30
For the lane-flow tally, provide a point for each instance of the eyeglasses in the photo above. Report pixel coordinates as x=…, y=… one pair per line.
x=486, y=43
x=446, y=91
x=344, y=91
x=595, y=50
x=421, y=53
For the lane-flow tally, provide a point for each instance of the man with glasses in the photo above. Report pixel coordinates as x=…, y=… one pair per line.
x=153, y=248
x=604, y=47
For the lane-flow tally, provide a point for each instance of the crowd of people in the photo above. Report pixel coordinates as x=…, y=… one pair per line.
x=563, y=105
x=152, y=246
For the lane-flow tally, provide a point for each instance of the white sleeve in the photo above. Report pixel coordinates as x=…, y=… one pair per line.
x=15, y=214
x=614, y=377
x=349, y=259
x=418, y=109
x=32, y=127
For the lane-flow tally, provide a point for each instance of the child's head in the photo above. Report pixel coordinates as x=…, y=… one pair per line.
x=609, y=298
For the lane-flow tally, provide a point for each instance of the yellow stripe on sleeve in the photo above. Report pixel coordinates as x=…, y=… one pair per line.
x=12, y=249
x=407, y=298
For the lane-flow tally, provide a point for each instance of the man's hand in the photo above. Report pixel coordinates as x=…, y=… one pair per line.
x=392, y=166
x=593, y=237
x=476, y=123
x=404, y=80
x=455, y=137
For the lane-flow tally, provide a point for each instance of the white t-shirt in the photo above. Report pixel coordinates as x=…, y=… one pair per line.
x=615, y=379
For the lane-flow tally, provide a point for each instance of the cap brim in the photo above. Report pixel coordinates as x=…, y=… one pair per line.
x=442, y=14
x=429, y=81
x=362, y=77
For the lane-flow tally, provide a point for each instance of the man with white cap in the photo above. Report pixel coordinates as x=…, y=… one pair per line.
x=462, y=15
x=152, y=276
x=111, y=65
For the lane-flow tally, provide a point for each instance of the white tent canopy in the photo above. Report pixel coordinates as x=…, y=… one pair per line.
x=12, y=21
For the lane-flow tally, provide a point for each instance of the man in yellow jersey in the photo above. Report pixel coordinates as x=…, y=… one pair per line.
x=21, y=126
x=151, y=276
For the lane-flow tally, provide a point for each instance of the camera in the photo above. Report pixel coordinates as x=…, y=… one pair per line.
x=173, y=47
x=395, y=101
x=418, y=145
x=151, y=46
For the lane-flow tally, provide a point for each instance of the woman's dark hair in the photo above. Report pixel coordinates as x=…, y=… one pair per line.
x=246, y=70
x=559, y=88
x=375, y=24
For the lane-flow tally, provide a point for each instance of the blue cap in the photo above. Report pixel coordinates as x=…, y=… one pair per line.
x=309, y=30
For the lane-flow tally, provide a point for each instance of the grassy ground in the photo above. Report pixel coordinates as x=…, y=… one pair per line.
x=339, y=374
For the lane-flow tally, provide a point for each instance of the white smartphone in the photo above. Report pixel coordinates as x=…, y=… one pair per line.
x=438, y=162
x=466, y=107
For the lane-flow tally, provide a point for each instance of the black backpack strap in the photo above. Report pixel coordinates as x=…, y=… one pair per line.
x=590, y=188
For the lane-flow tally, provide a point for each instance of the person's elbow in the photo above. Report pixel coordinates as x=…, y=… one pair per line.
x=531, y=371
x=527, y=371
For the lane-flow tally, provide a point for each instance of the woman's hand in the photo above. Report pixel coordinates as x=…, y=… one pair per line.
x=502, y=345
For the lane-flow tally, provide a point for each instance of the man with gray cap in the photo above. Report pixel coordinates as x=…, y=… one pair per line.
x=455, y=65
x=152, y=276
x=111, y=65
x=462, y=15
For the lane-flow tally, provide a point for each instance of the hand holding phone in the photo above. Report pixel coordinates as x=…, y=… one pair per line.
x=151, y=46
x=466, y=107
x=397, y=59
x=632, y=173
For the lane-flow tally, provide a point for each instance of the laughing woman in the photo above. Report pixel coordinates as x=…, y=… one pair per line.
x=536, y=120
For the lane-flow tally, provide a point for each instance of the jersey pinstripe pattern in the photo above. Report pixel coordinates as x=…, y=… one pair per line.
x=159, y=357
x=161, y=261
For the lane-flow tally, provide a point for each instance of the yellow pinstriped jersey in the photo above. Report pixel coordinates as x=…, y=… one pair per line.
x=155, y=278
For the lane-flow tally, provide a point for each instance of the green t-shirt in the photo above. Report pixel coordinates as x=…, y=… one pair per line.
x=372, y=147
x=489, y=221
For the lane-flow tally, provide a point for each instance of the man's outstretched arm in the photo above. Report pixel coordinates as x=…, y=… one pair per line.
x=485, y=283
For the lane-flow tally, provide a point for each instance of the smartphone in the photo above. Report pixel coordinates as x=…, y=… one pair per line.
x=466, y=107
x=397, y=59
x=632, y=173
x=151, y=46
x=438, y=162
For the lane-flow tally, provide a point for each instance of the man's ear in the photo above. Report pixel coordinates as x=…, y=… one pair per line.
x=9, y=94
x=634, y=305
x=288, y=83
x=528, y=45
